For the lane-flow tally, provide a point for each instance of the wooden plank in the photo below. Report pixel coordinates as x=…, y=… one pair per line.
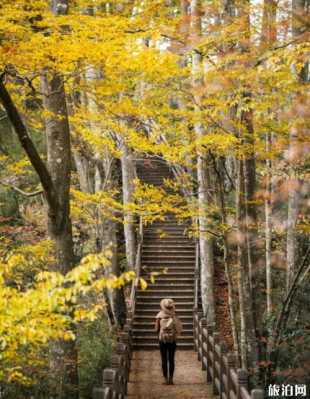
x=234, y=378
x=244, y=393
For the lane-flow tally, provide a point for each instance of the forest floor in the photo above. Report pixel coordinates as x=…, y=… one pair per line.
x=146, y=381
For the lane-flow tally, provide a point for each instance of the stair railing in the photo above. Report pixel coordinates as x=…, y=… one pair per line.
x=115, y=379
x=196, y=293
x=227, y=381
x=220, y=366
x=135, y=282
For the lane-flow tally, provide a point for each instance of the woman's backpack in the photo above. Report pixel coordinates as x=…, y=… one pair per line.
x=168, y=330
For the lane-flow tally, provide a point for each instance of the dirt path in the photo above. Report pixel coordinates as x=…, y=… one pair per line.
x=146, y=381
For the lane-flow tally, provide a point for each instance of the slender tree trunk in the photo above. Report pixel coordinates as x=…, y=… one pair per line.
x=241, y=264
x=205, y=244
x=268, y=229
x=95, y=175
x=247, y=223
x=204, y=197
x=292, y=216
x=85, y=175
x=228, y=257
x=299, y=12
x=269, y=36
x=128, y=175
x=248, y=340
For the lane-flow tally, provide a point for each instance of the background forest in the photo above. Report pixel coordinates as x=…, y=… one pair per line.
x=219, y=90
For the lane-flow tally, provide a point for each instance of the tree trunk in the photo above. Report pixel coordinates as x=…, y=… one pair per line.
x=248, y=343
x=228, y=257
x=85, y=175
x=128, y=175
x=268, y=229
x=269, y=36
x=204, y=197
x=59, y=165
x=205, y=244
x=298, y=15
x=95, y=175
x=64, y=354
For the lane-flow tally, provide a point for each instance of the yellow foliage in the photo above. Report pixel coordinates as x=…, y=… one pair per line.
x=33, y=315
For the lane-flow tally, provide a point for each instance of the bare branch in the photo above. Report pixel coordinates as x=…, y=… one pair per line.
x=22, y=192
x=28, y=145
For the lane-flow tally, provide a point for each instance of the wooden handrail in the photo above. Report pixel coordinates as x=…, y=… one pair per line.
x=115, y=378
x=220, y=366
x=197, y=273
x=137, y=269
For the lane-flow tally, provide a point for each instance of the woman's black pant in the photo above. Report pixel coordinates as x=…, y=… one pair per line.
x=167, y=352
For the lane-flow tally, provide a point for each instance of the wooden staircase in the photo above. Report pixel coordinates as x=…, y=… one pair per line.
x=135, y=372
x=165, y=246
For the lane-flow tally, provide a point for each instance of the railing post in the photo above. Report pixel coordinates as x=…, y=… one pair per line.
x=216, y=338
x=231, y=364
x=196, y=277
x=109, y=377
x=200, y=314
x=210, y=329
x=121, y=349
x=242, y=381
x=257, y=394
x=125, y=339
x=127, y=331
x=98, y=393
x=129, y=317
x=223, y=351
x=203, y=323
x=117, y=362
x=195, y=311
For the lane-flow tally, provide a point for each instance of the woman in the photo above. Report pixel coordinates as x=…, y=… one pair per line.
x=168, y=327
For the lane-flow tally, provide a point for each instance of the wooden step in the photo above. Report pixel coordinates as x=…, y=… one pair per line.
x=170, y=288
x=155, y=305
x=165, y=228
x=168, y=249
x=169, y=260
x=141, y=340
x=163, y=267
x=165, y=258
x=170, y=284
x=164, y=293
x=165, y=234
x=171, y=272
x=156, y=240
x=153, y=346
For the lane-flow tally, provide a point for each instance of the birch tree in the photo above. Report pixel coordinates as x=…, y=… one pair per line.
x=128, y=176
x=298, y=15
x=203, y=178
x=269, y=36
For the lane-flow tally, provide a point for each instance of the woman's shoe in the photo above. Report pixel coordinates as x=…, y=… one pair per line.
x=166, y=382
x=170, y=381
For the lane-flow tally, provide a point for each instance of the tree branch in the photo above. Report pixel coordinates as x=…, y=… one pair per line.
x=22, y=192
x=28, y=145
x=286, y=307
